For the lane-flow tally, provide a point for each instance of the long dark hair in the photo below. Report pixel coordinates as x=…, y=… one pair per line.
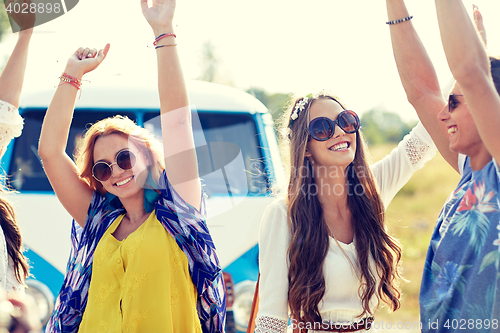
x=13, y=239
x=309, y=232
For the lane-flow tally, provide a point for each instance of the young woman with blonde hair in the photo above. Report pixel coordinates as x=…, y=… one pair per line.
x=142, y=258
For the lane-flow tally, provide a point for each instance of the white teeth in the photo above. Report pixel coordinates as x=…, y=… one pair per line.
x=452, y=130
x=340, y=146
x=123, y=182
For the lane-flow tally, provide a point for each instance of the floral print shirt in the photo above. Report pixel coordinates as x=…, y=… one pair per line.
x=461, y=280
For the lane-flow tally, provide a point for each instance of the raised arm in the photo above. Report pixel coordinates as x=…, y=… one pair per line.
x=12, y=77
x=470, y=66
x=180, y=158
x=418, y=77
x=74, y=194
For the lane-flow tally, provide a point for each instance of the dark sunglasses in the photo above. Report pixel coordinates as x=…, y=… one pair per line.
x=125, y=159
x=322, y=128
x=452, y=102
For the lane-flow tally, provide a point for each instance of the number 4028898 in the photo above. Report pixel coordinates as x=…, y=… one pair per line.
x=33, y=8
x=469, y=324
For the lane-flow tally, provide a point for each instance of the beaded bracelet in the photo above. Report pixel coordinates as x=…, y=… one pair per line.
x=163, y=36
x=77, y=83
x=157, y=47
x=400, y=20
x=66, y=78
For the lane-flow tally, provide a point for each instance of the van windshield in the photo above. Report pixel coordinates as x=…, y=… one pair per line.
x=230, y=160
x=228, y=147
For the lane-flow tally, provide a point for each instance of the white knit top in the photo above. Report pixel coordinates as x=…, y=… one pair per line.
x=11, y=126
x=341, y=302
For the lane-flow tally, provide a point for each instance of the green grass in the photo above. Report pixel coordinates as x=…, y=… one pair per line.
x=410, y=218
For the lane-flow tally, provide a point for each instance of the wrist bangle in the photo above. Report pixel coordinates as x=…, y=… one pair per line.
x=400, y=20
x=163, y=36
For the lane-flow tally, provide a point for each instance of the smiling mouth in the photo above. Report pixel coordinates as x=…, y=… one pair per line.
x=452, y=130
x=340, y=146
x=123, y=182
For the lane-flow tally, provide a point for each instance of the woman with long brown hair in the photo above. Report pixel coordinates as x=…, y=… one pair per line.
x=14, y=268
x=326, y=260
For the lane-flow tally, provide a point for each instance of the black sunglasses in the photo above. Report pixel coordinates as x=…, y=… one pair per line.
x=452, y=102
x=322, y=128
x=125, y=159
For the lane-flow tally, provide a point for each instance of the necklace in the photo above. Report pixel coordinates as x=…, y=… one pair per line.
x=353, y=267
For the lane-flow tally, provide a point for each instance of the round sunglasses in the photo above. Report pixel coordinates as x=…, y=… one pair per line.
x=125, y=160
x=322, y=128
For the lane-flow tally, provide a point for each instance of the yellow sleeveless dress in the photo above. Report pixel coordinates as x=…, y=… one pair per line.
x=140, y=284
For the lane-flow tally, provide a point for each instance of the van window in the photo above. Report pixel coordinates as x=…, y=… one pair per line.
x=243, y=174
x=25, y=171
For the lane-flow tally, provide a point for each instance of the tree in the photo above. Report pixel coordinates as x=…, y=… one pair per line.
x=381, y=126
x=210, y=62
x=211, y=70
x=4, y=22
x=275, y=103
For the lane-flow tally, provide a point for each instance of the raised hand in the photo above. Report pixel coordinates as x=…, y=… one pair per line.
x=160, y=14
x=478, y=22
x=85, y=60
x=24, y=17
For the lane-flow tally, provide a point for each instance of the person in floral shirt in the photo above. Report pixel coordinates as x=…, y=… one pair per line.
x=460, y=287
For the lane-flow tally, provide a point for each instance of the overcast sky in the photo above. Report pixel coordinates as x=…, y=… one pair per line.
x=280, y=46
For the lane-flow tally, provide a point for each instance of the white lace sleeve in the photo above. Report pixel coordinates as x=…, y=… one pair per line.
x=394, y=170
x=11, y=124
x=273, y=264
x=266, y=324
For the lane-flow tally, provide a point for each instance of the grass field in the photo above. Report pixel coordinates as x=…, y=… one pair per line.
x=410, y=218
